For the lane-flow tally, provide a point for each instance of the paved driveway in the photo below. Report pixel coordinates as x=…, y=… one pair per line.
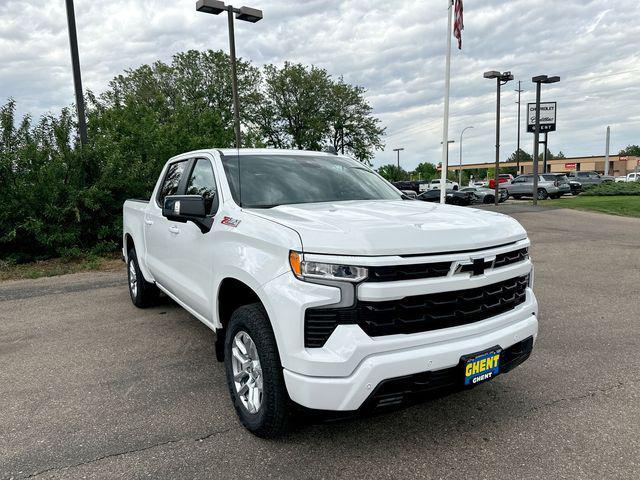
x=91, y=387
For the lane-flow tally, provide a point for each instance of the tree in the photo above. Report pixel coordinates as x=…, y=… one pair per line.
x=305, y=108
x=392, y=173
x=353, y=129
x=631, y=150
x=426, y=171
x=523, y=156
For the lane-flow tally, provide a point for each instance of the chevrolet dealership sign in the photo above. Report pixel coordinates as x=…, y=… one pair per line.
x=547, y=117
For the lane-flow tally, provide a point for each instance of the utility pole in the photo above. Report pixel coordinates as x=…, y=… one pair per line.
x=519, y=90
x=606, y=156
x=398, y=150
x=75, y=64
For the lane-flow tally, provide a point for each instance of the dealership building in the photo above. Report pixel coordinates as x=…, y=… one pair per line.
x=618, y=165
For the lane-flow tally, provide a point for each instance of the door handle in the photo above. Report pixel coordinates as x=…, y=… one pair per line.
x=148, y=222
x=175, y=230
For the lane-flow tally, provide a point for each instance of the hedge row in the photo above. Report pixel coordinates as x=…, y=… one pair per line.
x=613, y=188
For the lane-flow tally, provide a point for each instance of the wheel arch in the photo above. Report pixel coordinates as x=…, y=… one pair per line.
x=232, y=293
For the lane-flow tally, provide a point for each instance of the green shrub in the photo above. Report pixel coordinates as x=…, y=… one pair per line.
x=607, y=189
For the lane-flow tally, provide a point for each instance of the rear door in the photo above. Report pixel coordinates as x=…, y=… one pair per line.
x=519, y=185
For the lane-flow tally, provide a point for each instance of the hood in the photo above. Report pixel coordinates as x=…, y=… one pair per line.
x=393, y=227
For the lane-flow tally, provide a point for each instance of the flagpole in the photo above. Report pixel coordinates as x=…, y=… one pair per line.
x=445, y=123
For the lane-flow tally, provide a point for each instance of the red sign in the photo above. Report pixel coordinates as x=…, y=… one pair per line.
x=569, y=166
x=623, y=158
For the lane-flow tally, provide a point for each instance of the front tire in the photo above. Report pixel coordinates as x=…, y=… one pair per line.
x=143, y=294
x=254, y=373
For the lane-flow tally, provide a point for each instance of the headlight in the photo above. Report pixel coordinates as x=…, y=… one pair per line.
x=324, y=271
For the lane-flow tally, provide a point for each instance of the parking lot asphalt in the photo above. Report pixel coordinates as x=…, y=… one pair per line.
x=91, y=387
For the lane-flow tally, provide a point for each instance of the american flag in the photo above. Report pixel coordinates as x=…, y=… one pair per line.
x=458, y=24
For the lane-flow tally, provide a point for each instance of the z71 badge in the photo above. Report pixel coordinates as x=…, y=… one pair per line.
x=232, y=222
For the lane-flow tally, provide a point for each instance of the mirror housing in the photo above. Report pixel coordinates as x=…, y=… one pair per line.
x=187, y=208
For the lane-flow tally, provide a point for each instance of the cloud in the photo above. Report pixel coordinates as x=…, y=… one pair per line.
x=394, y=49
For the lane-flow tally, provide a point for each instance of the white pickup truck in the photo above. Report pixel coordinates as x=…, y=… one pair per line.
x=326, y=287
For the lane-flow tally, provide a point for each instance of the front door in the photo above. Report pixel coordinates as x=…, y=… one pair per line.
x=159, y=231
x=192, y=251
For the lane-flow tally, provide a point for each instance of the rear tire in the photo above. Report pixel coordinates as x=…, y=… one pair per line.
x=143, y=294
x=258, y=391
x=542, y=194
x=488, y=199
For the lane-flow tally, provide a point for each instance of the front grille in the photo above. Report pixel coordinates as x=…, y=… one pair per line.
x=419, y=313
x=420, y=386
x=394, y=273
x=508, y=258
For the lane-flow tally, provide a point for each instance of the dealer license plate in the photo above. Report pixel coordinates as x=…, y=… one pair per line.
x=481, y=367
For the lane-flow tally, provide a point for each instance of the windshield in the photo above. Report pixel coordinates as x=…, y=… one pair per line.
x=271, y=180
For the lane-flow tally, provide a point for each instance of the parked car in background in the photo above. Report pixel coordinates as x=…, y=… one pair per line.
x=409, y=193
x=486, y=195
x=576, y=187
x=502, y=178
x=406, y=185
x=590, y=178
x=522, y=186
x=621, y=178
x=435, y=184
x=453, y=197
x=561, y=179
x=632, y=177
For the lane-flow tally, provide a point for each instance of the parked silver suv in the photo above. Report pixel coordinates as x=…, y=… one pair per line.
x=590, y=178
x=522, y=186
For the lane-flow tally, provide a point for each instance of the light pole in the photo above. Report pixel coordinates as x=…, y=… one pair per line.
x=501, y=79
x=398, y=150
x=75, y=65
x=539, y=80
x=519, y=90
x=247, y=14
x=460, y=166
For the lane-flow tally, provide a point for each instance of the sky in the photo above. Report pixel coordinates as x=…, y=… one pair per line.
x=393, y=48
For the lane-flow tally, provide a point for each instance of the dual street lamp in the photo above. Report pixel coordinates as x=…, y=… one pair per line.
x=539, y=80
x=246, y=14
x=501, y=79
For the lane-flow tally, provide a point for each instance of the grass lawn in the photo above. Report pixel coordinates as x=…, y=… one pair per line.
x=59, y=266
x=628, y=206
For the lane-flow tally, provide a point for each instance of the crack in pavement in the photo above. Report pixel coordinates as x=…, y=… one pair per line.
x=589, y=394
x=126, y=452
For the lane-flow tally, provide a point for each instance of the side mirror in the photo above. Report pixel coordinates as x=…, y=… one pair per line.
x=187, y=208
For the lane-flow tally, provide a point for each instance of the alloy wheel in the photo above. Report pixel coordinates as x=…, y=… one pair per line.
x=133, y=279
x=247, y=371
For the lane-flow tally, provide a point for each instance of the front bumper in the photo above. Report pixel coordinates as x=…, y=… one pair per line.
x=434, y=354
